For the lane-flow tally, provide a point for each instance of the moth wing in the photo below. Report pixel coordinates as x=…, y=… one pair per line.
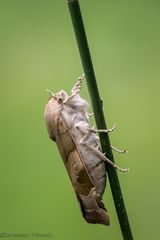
x=92, y=207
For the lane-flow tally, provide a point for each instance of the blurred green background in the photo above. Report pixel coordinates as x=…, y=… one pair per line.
x=38, y=51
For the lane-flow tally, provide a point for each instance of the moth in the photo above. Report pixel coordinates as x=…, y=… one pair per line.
x=67, y=122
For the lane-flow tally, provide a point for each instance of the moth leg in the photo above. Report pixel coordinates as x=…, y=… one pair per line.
x=118, y=150
x=102, y=130
x=76, y=88
x=101, y=156
x=86, y=135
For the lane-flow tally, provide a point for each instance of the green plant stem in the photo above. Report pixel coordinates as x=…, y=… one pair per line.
x=81, y=38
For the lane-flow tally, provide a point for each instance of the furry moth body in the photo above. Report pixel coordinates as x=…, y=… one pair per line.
x=67, y=121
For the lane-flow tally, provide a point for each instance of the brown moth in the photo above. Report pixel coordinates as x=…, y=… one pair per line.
x=67, y=121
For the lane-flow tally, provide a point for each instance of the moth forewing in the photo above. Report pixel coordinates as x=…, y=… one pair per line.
x=67, y=136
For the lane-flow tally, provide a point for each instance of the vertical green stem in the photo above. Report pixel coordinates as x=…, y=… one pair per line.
x=81, y=38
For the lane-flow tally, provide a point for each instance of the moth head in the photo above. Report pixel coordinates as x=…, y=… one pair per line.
x=60, y=96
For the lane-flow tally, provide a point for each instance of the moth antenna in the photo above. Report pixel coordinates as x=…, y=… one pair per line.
x=51, y=93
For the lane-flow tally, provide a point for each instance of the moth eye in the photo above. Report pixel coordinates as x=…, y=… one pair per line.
x=60, y=99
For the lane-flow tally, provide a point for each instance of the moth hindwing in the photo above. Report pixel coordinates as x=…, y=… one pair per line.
x=67, y=121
